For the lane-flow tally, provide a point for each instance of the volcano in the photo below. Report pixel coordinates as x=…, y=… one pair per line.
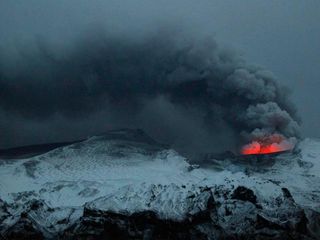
x=125, y=185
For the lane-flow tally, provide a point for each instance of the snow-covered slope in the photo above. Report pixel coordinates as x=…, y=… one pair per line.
x=125, y=172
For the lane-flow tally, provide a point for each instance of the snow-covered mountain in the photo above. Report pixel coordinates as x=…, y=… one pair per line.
x=125, y=185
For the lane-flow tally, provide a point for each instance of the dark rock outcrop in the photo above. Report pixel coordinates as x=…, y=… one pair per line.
x=24, y=229
x=225, y=215
x=244, y=194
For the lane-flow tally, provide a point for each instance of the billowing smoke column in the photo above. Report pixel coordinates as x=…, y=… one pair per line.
x=275, y=131
x=189, y=93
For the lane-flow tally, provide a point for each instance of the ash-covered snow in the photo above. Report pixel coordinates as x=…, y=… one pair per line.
x=125, y=172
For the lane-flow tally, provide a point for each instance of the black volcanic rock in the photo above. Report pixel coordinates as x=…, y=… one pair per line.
x=262, y=222
x=24, y=229
x=242, y=221
x=232, y=217
x=287, y=195
x=141, y=225
x=244, y=194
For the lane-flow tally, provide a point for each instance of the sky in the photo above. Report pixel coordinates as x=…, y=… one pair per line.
x=282, y=36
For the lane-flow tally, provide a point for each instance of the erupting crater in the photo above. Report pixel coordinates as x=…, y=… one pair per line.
x=268, y=145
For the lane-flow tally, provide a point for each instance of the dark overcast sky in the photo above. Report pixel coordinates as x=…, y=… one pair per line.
x=283, y=36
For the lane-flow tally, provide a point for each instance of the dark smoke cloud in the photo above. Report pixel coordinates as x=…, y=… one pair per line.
x=186, y=92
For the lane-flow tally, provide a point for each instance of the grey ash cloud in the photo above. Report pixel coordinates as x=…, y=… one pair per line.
x=187, y=92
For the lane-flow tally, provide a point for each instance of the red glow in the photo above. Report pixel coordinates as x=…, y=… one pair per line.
x=265, y=146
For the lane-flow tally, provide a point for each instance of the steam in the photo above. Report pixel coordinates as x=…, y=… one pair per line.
x=187, y=92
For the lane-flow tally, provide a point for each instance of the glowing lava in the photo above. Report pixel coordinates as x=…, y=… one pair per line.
x=266, y=146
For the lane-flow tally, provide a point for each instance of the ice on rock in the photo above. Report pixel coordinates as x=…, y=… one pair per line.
x=126, y=173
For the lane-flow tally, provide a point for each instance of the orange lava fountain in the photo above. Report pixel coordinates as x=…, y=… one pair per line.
x=272, y=144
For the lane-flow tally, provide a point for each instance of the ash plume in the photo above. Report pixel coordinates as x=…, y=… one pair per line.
x=186, y=92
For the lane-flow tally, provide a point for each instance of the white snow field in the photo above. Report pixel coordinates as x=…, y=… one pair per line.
x=119, y=174
x=126, y=173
